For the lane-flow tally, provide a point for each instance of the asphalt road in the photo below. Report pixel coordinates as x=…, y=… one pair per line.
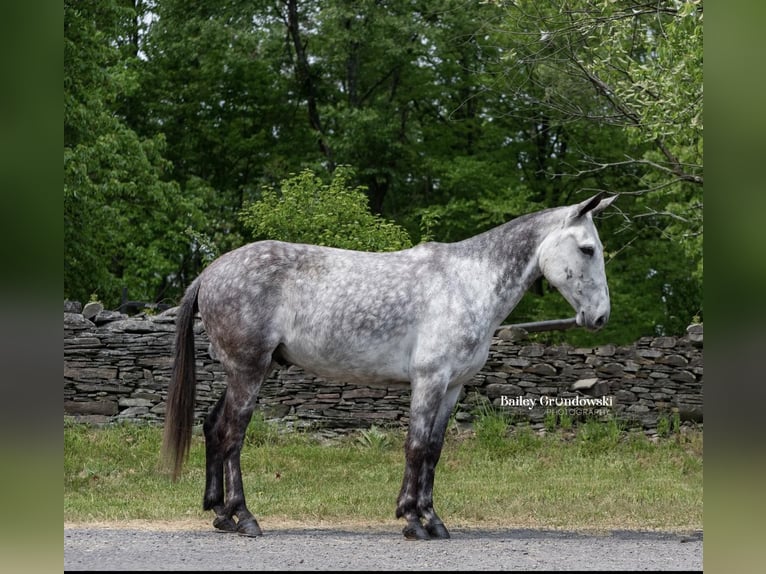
x=88, y=548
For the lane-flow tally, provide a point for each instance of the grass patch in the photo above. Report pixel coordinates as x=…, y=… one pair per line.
x=596, y=476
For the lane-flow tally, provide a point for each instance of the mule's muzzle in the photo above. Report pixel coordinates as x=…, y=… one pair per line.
x=590, y=322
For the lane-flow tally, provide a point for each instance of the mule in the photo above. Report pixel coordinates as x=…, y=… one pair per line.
x=424, y=315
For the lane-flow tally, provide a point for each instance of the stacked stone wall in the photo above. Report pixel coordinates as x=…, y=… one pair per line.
x=118, y=367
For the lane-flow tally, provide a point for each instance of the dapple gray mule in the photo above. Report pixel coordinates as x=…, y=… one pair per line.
x=424, y=315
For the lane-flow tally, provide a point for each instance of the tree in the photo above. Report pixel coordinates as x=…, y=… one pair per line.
x=213, y=83
x=123, y=221
x=618, y=86
x=629, y=64
x=455, y=117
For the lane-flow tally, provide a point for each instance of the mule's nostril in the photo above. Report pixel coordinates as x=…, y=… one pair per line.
x=600, y=321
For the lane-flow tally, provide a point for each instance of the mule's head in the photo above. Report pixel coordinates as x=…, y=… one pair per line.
x=571, y=258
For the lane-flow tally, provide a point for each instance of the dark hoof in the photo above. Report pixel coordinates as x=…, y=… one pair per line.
x=225, y=524
x=249, y=527
x=415, y=531
x=437, y=530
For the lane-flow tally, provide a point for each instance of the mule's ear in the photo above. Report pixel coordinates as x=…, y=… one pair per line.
x=594, y=205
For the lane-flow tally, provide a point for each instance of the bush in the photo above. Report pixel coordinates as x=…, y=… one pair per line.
x=307, y=210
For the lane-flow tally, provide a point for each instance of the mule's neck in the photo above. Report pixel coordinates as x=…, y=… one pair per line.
x=509, y=253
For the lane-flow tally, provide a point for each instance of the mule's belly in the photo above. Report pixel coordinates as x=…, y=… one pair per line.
x=379, y=364
x=377, y=360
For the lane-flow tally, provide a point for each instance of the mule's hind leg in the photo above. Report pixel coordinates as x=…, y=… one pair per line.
x=234, y=414
x=213, y=498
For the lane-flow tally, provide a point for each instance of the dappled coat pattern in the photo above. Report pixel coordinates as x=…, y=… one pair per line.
x=370, y=318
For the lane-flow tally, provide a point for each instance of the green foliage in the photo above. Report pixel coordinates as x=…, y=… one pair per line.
x=624, y=64
x=599, y=436
x=213, y=82
x=491, y=427
x=123, y=221
x=493, y=432
x=260, y=431
x=374, y=438
x=554, y=420
x=663, y=425
x=306, y=210
x=208, y=250
x=180, y=117
x=550, y=420
x=668, y=425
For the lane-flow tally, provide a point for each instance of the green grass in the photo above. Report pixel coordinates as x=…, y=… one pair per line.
x=595, y=476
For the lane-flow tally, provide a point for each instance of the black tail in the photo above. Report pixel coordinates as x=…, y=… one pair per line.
x=179, y=413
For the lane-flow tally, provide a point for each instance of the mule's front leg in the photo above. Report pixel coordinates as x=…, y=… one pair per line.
x=407, y=505
x=433, y=524
x=414, y=501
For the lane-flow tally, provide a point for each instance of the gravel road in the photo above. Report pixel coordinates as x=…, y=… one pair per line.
x=87, y=548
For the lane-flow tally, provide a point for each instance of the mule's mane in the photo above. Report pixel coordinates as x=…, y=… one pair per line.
x=515, y=240
x=534, y=222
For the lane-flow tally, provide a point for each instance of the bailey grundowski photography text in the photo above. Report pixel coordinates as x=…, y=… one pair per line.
x=570, y=405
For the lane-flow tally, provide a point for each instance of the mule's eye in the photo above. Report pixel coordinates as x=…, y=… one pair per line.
x=588, y=250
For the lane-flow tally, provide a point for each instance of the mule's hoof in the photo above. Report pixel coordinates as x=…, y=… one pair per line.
x=225, y=524
x=415, y=531
x=249, y=527
x=437, y=530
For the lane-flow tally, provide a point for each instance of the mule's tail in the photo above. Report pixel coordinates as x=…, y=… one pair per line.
x=179, y=413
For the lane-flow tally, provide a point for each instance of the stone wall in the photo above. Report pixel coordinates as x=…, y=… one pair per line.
x=118, y=367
